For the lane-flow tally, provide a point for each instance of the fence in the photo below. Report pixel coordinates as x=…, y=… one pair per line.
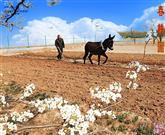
x=46, y=41
x=30, y=42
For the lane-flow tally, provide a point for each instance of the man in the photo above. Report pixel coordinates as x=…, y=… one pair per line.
x=59, y=43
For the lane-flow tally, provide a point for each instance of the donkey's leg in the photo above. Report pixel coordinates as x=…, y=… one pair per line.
x=105, y=57
x=98, y=59
x=90, y=55
x=85, y=56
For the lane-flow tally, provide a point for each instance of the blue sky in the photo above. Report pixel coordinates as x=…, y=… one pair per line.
x=117, y=11
x=73, y=17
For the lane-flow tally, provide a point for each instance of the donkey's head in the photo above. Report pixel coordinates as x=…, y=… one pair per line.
x=109, y=42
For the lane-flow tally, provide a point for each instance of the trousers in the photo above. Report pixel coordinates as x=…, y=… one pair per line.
x=60, y=52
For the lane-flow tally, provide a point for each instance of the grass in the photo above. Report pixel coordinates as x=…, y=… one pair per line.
x=40, y=96
x=11, y=88
x=135, y=119
x=121, y=117
x=144, y=130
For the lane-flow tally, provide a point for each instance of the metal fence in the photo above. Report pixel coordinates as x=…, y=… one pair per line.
x=46, y=41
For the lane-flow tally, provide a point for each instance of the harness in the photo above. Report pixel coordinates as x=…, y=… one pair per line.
x=102, y=46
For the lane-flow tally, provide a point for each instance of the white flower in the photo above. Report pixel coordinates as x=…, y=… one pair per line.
x=131, y=75
x=133, y=64
x=132, y=85
x=115, y=87
x=104, y=112
x=113, y=116
x=15, y=117
x=97, y=112
x=4, y=118
x=61, y=132
x=3, y=101
x=108, y=94
x=41, y=109
x=138, y=67
x=71, y=114
x=48, y=104
x=72, y=130
x=83, y=127
x=11, y=126
x=144, y=69
x=90, y=115
x=2, y=130
x=28, y=91
x=109, y=113
x=75, y=121
x=135, y=86
x=129, y=85
x=21, y=117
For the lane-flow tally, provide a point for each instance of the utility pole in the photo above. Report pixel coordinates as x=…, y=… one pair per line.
x=8, y=40
x=28, y=43
x=45, y=41
x=132, y=36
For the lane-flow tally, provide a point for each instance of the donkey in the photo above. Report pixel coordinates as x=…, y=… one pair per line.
x=98, y=48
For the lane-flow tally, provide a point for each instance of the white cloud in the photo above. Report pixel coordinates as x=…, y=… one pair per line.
x=149, y=17
x=84, y=28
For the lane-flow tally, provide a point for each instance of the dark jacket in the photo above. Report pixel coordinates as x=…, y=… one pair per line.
x=59, y=42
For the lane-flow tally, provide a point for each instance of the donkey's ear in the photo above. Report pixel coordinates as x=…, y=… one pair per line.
x=113, y=37
x=109, y=35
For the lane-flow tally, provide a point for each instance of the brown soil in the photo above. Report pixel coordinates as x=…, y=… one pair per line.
x=71, y=79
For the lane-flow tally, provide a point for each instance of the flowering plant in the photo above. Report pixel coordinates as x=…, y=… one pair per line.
x=133, y=75
x=28, y=91
x=75, y=121
x=159, y=129
x=3, y=101
x=108, y=94
x=8, y=123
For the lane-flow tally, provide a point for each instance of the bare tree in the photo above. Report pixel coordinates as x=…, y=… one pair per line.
x=13, y=8
x=154, y=33
x=154, y=36
x=147, y=39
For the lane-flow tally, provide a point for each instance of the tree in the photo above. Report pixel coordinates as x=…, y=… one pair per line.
x=153, y=32
x=13, y=8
